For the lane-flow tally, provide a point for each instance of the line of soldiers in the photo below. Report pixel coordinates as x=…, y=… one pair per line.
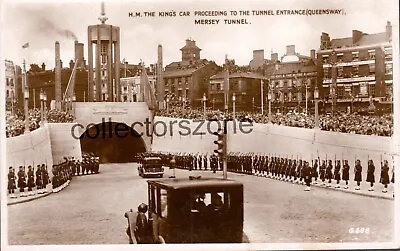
x=287, y=169
x=62, y=175
x=186, y=160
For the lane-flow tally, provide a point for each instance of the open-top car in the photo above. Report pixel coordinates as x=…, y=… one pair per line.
x=195, y=210
x=151, y=167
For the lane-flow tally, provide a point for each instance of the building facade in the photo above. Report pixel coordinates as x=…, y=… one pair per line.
x=11, y=81
x=187, y=80
x=357, y=68
x=130, y=87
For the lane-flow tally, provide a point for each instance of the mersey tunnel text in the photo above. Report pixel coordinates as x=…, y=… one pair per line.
x=159, y=128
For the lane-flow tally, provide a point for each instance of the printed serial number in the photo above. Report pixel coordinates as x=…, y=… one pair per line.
x=359, y=230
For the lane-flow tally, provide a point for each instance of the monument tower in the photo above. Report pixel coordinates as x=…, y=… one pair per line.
x=104, y=40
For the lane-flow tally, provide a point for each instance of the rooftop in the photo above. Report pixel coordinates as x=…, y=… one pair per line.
x=366, y=39
x=254, y=75
x=182, y=183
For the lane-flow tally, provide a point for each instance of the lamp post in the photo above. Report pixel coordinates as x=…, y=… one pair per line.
x=316, y=96
x=269, y=107
x=234, y=105
x=167, y=101
x=204, y=105
x=253, y=104
x=73, y=104
x=262, y=97
x=41, y=96
x=45, y=107
x=184, y=102
x=213, y=103
x=26, y=98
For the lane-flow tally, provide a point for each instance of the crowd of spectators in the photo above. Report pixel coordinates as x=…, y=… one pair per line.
x=15, y=123
x=354, y=123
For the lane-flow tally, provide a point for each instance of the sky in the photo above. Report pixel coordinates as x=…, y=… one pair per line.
x=43, y=22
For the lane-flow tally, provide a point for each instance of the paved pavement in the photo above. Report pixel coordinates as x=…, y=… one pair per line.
x=91, y=209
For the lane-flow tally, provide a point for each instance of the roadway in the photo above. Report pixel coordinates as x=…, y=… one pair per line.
x=91, y=211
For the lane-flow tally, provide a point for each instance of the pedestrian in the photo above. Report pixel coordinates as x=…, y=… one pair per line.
x=11, y=182
x=371, y=174
x=357, y=173
x=384, y=175
x=345, y=173
x=337, y=174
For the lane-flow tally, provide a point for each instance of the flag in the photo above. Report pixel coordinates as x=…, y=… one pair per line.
x=26, y=45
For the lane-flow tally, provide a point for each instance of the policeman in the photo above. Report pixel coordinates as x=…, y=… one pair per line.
x=11, y=182
x=384, y=176
x=21, y=181
x=357, y=173
x=371, y=175
x=345, y=173
x=31, y=180
x=337, y=174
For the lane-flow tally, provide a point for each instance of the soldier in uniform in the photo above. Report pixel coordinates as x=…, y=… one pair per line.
x=306, y=171
x=11, y=182
x=370, y=174
x=384, y=175
x=39, y=180
x=205, y=161
x=55, y=180
x=357, y=173
x=298, y=171
x=314, y=171
x=322, y=170
x=31, y=180
x=345, y=173
x=328, y=173
x=337, y=173
x=293, y=171
x=45, y=176
x=21, y=181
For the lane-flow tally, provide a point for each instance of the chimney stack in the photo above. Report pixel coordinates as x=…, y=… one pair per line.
x=312, y=54
x=79, y=56
x=58, y=76
x=388, y=31
x=160, y=80
x=43, y=67
x=356, y=35
x=290, y=50
x=274, y=56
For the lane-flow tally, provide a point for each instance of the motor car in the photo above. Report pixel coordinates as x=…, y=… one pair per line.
x=195, y=210
x=151, y=167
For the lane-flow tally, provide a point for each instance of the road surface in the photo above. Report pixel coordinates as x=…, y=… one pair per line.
x=91, y=211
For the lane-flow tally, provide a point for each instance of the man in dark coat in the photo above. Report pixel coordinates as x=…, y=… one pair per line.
x=384, y=175
x=11, y=182
x=337, y=173
x=31, y=180
x=357, y=173
x=39, y=181
x=329, y=173
x=345, y=173
x=21, y=181
x=306, y=172
x=371, y=174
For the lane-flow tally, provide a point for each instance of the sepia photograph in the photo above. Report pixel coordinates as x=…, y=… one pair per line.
x=243, y=125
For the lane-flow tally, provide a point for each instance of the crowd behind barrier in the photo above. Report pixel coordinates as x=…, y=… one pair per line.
x=379, y=125
x=28, y=182
x=15, y=124
x=325, y=172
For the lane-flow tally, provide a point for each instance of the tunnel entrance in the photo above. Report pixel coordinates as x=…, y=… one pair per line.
x=112, y=142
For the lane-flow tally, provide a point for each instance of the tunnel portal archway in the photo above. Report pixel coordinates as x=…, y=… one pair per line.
x=112, y=142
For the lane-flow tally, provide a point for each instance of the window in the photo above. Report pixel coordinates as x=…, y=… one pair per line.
x=218, y=86
x=389, y=68
x=371, y=54
x=326, y=73
x=372, y=69
x=371, y=90
x=340, y=71
x=355, y=70
x=325, y=59
x=179, y=93
x=213, y=87
x=355, y=56
x=103, y=59
x=7, y=83
x=340, y=57
x=125, y=88
x=163, y=203
x=209, y=202
x=8, y=93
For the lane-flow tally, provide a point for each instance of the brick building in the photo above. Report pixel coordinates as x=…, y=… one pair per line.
x=357, y=68
x=187, y=80
x=10, y=81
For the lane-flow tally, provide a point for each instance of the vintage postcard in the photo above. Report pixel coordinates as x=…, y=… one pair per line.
x=235, y=125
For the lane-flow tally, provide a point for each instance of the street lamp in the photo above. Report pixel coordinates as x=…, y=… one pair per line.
x=316, y=97
x=41, y=96
x=262, y=97
x=269, y=107
x=73, y=104
x=167, y=101
x=234, y=105
x=204, y=105
x=26, y=98
x=45, y=106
